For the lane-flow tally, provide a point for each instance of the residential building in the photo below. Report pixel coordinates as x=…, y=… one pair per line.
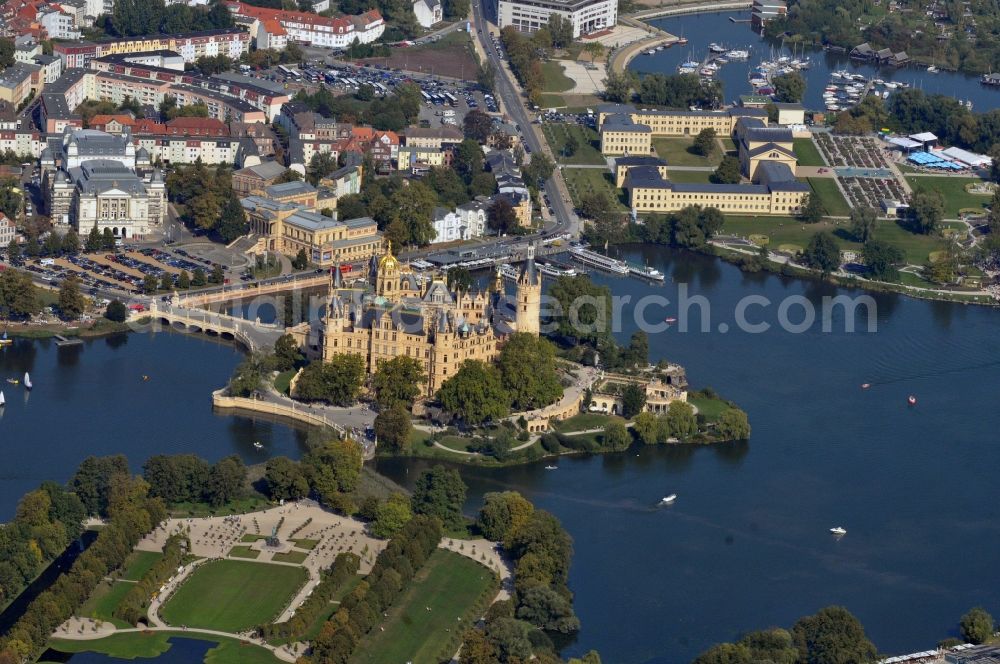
x=19, y=81
x=231, y=42
x=420, y=159
x=344, y=181
x=8, y=230
x=586, y=16
x=428, y=12
x=465, y=222
x=57, y=24
x=763, y=11
x=307, y=28
x=661, y=388
x=433, y=137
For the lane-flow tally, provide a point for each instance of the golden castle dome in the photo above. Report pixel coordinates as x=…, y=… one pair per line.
x=388, y=261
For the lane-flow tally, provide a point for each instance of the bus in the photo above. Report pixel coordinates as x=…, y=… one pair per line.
x=451, y=98
x=287, y=71
x=427, y=97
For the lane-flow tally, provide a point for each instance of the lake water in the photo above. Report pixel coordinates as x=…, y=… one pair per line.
x=703, y=29
x=182, y=651
x=91, y=399
x=746, y=546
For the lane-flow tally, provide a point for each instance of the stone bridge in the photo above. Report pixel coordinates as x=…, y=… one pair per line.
x=255, y=336
x=242, y=292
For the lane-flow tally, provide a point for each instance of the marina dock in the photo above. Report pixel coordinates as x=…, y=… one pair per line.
x=64, y=341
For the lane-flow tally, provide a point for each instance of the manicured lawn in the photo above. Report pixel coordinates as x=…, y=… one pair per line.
x=581, y=181
x=139, y=563
x=551, y=101
x=699, y=177
x=243, y=552
x=290, y=557
x=282, y=380
x=710, y=408
x=232, y=595
x=787, y=230
x=828, y=193
x=585, y=421
x=953, y=191
x=252, y=538
x=104, y=600
x=307, y=544
x=554, y=78
x=132, y=645
x=449, y=584
x=675, y=151
x=807, y=153
x=587, y=141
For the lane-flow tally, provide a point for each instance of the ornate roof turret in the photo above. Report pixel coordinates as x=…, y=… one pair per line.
x=388, y=261
x=529, y=273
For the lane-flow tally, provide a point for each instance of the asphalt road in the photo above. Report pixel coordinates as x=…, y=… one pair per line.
x=511, y=97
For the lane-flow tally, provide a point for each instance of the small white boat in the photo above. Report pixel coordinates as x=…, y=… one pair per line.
x=651, y=52
x=716, y=48
x=668, y=500
x=3, y=399
x=258, y=446
x=932, y=69
x=912, y=400
x=838, y=531
x=551, y=467
x=27, y=381
x=737, y=54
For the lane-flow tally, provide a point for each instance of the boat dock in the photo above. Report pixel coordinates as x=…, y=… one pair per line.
x=63, y=341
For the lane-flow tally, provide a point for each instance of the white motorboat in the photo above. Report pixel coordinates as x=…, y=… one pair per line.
x=257, y=445
x=651, y=52
x=737, y=54
x=838, y=531
x=932, y=69
x=3, y=399
x=668, y=500
x=27, y=381
x=716, y=48
x=551, y=467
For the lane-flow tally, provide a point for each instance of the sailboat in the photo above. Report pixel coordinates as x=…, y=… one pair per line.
x=3, y=399
x=4, y=341
x=27, y=381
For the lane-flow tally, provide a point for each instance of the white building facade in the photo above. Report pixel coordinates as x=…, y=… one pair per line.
x=586, y=16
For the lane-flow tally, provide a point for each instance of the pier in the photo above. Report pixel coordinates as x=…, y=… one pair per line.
x=63, y=341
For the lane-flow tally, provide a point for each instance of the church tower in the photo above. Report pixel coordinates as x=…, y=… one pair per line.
x=529, y=296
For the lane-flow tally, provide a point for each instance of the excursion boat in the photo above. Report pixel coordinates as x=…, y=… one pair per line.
x=508, y=271
x=838, y=530
x=554, y=271
x=646, y=272
x=686, y=70
x=707, y=72
x=599, y=260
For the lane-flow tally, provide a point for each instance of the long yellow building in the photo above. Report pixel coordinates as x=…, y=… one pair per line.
x=401, y=315
x=680, y=123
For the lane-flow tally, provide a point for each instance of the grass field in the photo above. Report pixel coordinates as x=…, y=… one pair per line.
x=243, y=552
x=554, y=78
x=699, y=177
x=452, y=56
x=710, y=408
x=828, y=193
x=104, y=600
x=953, y=191
x=585, y=421
x=807, y=153
x=787, y=230
x=587, y=140
x=307, y=544
x=252, y=538
x=138, y=563
x=232, y=595
x=290, y=557
x=581, y=181
x=449, y=584
x=132, y=645
x=283, y=380
x=675, y=151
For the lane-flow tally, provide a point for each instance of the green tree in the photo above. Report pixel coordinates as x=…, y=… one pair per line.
x=198, y=279
x=538, y=170
x=13, y=251
x=822, y=253
x=150, y=283
x=391, y=516
x=926, y=211
x=477, y=125
x=184, y=280
x=704, y=142
x=864, y=222
x=217, y=276
x=337, y=380
x=733, y=424
x=232, y=222
x=116, y=311
x=93, y=242
x=633, y=400
x=503, y=514
x=72, y=304
x=789, y=88
x=728, y=171
x=832, y=636
x=398, y=380
x=678, y=422
x=475, y=393
x=284, y=479
x=286, y=353
x=527, y=367
x=618, y=87
x=333, y=470
x=616, y=437
x=883, y=260
x=166, y=281
x=321, y=165
x=976, y=626
x=502, y=218
x=440, y=492
x=71, y=243
x=942, y=269
x=561, y=30
x=393, y=427
x=301, y=260
x=226, y=481
x=248, y=377
x=646, y=427
x=548, y=610
x=812, y=209
x=460, y=279
x=18, y=296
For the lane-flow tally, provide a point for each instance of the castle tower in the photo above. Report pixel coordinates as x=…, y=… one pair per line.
x=529, y=296
x=387, y=274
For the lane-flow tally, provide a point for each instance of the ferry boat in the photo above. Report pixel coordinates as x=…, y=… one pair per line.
x=646, y=272
x=838, y=530
x=553, y=271
x=716, y=48
x=508, y=271
x=599, y=260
